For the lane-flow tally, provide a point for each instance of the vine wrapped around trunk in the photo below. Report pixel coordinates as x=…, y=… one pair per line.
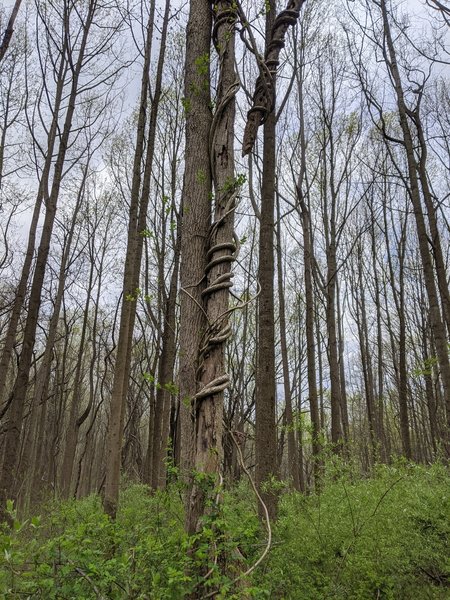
x=264, y=95
x=222, y=248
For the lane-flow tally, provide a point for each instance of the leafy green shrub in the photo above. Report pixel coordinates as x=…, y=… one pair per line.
x=386, y=537
x=79, y=553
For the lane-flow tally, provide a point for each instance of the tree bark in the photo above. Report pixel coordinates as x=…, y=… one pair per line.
x=196, y=210
x=293, y=451
x=265, y=424
x=136, y=232
x=222, y=248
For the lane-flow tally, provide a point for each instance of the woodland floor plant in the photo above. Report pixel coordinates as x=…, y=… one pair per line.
x=386, y=536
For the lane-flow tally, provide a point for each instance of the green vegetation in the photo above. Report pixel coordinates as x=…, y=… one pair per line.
x=384, y=537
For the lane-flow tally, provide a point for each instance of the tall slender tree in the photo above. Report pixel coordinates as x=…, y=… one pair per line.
x=140, y=193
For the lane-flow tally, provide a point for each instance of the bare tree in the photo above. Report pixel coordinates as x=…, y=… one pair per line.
x=77, y=24
x=7, y=35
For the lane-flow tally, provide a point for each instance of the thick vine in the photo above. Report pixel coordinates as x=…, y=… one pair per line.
x=264, y=95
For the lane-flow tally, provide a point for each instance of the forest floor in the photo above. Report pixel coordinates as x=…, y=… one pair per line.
x=383, y=537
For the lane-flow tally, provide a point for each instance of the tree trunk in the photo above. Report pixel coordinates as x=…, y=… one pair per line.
x=293, y=451
x=9, y=29
x=165, y=379
x=196, y=210
x=74, y=421
x=40, y=396
x=208, y=401
x=43, y=193
x=265, y=428
x=136, y=228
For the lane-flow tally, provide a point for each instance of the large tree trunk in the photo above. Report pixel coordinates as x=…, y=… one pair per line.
x=208, y=401
x=262, y=111
x=196, y=211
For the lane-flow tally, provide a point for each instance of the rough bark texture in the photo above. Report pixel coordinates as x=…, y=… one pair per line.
x=196, y=211
x=208, y=401
x=265, y=424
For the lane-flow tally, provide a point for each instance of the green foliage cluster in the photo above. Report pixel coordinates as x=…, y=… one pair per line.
x=384, y=537
x=79, y=553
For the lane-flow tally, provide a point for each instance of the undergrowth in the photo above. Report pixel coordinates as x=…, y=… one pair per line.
x=384, y=537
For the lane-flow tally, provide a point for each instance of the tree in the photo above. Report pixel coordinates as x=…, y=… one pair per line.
x=140, y=192
x=195, y=223
x=76, y=27
x=263, y=112
x=7, y=35
x=415, y=170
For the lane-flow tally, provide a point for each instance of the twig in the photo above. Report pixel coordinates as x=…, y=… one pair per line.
x=88, y=579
